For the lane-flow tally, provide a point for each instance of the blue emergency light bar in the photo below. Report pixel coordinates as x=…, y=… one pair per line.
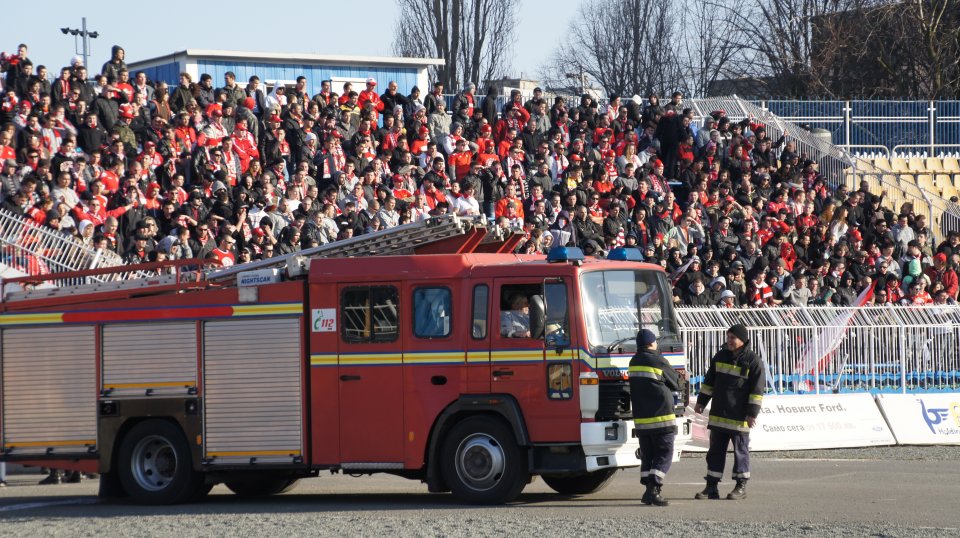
x=625, y=254
x=565, y=254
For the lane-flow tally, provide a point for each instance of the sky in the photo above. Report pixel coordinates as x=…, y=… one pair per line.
x=149, y=29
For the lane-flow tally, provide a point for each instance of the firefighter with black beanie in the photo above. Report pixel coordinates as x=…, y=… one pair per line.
x=735, y=381
x=652, y=384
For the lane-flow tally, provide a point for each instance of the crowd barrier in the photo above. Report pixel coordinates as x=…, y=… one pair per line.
x=877, y=349
x=39, y=250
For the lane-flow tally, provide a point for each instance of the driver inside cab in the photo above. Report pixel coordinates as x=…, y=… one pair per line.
x=515, y=323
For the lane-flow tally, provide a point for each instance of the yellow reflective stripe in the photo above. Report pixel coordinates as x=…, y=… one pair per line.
x=478, y=356
x=34, y=444
x=444, y=357
x=267, y=309
x=520, y=355
x=31, y=319
x=185, y=384
x=649, y=369
x=375, y=359
x=655, y=420
x=756, y=398
x=706, y=389
x=729, y=423
x=731, y=369
x=247, y=453
x=323, y=360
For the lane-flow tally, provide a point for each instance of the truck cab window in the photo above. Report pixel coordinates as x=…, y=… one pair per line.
x=369, y=314
x=480, y=299
x=431, y=311
x=557, y=329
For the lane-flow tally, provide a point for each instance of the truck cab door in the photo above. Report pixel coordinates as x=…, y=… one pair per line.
x=370, y=373
x=532, y=355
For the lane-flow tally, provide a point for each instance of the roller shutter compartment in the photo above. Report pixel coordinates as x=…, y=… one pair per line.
x=252, y=391
x=149, y=359
x=49, y=391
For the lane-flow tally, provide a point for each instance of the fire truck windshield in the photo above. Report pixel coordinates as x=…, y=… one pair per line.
x=616, y=304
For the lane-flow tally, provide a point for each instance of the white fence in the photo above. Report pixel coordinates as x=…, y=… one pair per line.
x=827, y=349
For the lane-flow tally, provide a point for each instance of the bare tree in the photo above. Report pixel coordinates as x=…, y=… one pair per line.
x=709, y=49
x=627, y=46
x=473, y=37
x=933, y=30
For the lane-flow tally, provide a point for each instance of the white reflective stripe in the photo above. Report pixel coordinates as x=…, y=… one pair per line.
x=646, y=374
x=742, y=475
x=714, y=474
x=644, y=474
x=658, y=472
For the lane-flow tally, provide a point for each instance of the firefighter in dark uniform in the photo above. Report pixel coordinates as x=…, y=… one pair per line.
x=735, y=381
x=652, y=384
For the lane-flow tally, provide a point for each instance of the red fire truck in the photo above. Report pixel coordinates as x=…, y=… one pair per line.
x=472, y=371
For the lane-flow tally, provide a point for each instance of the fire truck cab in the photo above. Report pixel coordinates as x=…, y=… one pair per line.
x=471, y=372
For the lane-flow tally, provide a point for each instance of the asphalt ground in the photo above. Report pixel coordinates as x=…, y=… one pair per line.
x=893, y=491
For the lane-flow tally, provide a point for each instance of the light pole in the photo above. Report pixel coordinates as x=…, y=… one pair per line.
x=580, y=77
x=85, y=36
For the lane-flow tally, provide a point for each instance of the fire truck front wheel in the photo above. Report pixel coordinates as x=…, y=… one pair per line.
x=482, y=463
x=581, y=484
x=154, y=464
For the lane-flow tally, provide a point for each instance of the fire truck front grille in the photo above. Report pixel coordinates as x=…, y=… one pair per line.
x=614, y=401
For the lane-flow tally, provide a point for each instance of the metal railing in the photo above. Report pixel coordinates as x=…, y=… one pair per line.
x=829, y=349
x=833, y=161
x=38, y=250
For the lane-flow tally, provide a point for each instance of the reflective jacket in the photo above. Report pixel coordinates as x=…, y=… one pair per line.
x=735, y=381
x=652, y=383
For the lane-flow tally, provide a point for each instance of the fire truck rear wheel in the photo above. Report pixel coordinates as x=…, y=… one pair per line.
x=154, y=464
x=582, y=484
x=262, y=487
x=482, y=463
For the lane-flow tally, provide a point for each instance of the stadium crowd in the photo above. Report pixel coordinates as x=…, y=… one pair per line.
x=238, y=173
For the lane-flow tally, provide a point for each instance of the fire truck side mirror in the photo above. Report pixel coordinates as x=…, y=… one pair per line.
x=538, y=316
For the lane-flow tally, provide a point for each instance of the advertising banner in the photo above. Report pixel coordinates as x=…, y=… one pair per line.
x=801, y=422
x=923, y=419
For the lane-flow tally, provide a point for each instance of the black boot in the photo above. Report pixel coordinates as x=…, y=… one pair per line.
x=648, y=494
x=709, y=492
x=55, y=477
x=73, y=477
x=656, y=499
x=740, y=491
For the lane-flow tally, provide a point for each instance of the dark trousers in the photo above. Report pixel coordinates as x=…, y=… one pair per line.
x=717, y=455
x=656, y=455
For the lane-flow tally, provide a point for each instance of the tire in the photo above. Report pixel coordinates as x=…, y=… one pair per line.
x=481, y=462
x=582, y=484
x=154, y=464
x=262, y=486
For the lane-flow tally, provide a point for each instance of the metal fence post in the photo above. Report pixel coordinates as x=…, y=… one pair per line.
x=846, y=122
x=932, y=109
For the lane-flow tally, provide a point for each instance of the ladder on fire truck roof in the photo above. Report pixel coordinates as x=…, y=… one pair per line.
x=404, y=239
x=446, y=234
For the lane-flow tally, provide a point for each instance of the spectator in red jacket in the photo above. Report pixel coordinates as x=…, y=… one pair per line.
x=943, y=273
